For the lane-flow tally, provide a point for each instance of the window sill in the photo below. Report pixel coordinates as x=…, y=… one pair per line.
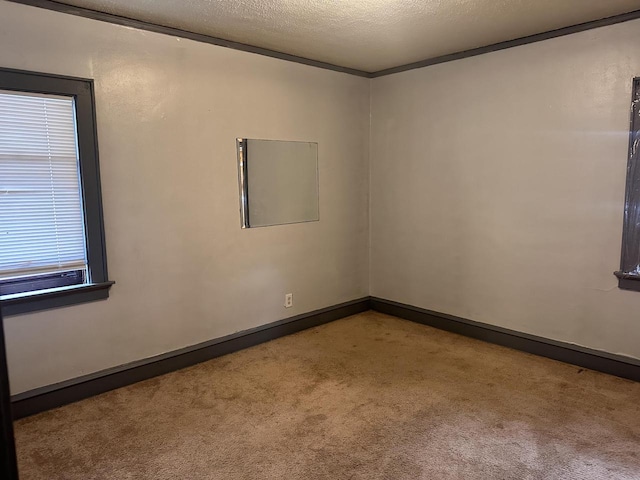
x=26, y=302
x=628, y=281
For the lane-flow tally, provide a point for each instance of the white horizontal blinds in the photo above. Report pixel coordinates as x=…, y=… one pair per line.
x=41, y=217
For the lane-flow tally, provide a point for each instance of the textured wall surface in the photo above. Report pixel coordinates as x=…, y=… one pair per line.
x=169, y=111
x=498, y=184
x=365, y=34
x=497, y=190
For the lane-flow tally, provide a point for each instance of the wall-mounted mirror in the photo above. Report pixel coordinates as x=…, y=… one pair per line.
x=278, y=182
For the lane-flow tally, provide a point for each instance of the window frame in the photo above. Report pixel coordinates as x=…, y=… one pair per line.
x=8, y=460
x=628, y=276
x=82, y=90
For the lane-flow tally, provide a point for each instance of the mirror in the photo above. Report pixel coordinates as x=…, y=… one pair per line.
x=278, y=182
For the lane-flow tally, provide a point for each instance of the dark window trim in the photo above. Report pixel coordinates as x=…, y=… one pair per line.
x=628, y=276
x=42, y=282
x=54, y=297
x=8, y=461
x=83, y=92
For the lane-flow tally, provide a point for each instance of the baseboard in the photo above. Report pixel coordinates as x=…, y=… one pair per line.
x=59, y=394
x=617, y=365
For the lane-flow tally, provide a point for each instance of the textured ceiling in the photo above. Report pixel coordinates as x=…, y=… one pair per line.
x=368, y=35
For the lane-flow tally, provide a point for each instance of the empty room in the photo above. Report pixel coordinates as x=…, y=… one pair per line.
x=304, y=239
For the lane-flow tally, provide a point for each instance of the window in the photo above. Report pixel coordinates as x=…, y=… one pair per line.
x=52, y=249
x=629, y=274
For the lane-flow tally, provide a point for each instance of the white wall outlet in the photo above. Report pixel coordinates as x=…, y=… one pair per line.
x=288, y=300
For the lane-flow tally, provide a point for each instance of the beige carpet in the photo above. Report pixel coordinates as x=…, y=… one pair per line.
x=367, y=397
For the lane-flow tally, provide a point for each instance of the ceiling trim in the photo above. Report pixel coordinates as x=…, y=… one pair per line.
x=538, y=37
x=177, y=32
x=221, y=42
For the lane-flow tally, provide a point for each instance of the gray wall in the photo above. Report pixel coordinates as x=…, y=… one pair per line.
x=497, y=187
x=169, y=111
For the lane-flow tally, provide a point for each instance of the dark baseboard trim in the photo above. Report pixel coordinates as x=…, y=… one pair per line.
x=617, y=365
x=176, y=32
x=59, y=394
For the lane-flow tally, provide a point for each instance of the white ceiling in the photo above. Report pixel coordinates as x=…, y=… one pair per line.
x=368, y=35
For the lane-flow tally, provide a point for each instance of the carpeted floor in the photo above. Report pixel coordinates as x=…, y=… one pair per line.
x=367, y=397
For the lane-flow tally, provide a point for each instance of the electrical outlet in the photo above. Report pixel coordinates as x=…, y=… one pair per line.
x=288, y=300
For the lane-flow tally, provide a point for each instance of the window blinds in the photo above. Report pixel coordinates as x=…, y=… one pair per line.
x=41, y=216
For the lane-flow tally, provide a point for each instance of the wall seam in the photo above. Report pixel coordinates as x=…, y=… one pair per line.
x=370, y=191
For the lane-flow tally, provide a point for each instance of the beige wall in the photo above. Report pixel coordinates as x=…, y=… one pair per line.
x=168, y=113
x=497, y=188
